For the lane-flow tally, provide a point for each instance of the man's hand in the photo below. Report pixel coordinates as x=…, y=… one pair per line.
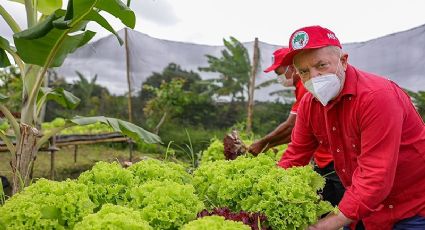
x=331, y=222
x=258, y=147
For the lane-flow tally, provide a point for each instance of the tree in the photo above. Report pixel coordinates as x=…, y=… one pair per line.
x=97, y=99
x=45, y=44
x=11, y=87
x=169, y=101
x=419, y=101
x=234, y=67
x=251, y=87
x=172, y=71
x=192, y=83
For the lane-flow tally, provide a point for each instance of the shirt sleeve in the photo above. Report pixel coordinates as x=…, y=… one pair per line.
x=303, y=145
x=295, y=106
x=381, y=118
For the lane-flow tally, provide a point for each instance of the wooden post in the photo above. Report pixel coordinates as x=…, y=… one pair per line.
x=251, y=87
x=75, y=153
x=127, y=58
x=52, y=149
x=130, y=146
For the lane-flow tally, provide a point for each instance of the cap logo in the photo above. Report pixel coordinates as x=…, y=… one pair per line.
x=299, y=40
x=331, y=36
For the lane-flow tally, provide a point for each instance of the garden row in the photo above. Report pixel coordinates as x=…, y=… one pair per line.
x=153, y=194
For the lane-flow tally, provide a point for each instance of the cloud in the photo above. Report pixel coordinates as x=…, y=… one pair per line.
x=159, y=12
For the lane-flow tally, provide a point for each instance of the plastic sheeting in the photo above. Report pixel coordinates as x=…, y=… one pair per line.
x=399, y=56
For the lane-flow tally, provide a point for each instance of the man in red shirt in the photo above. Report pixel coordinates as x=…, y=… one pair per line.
x=333, y=190
x=371, y=127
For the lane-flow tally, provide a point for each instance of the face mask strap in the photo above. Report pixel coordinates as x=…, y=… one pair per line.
x=286, y=70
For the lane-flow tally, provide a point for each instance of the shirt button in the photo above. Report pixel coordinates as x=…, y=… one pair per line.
x=390, y=206
x=354, y=145
x=343, y=170
x=320, y=142
x=349, y=98
x=337, y=150
x=334, y=128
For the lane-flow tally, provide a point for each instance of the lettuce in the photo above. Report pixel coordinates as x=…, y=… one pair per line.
x=153, y=169
x=215, y=222
x=166, y=204
x=288, y=198
x=47, y=205
x=107, y=183
x=114, y=217
x=214, y=152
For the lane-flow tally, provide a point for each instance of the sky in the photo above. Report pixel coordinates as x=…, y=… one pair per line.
x=272, y=21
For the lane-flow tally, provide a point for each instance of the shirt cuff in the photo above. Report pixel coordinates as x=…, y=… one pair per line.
x=283, y=164
x=353, y=208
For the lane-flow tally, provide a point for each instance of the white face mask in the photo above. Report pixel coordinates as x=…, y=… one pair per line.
x=324, y=87
x=281, y=78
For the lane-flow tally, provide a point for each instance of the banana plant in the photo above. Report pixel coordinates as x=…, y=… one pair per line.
x=52, y=33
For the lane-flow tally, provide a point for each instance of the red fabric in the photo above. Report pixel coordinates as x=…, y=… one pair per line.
x=278, y=56
x=377, y=139
x=322, y=156
x=311, y=37
x=299, y=93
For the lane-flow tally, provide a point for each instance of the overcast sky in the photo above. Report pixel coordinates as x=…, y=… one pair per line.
x=272, y=21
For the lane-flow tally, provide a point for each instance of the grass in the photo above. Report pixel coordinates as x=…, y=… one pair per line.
x=65, y=167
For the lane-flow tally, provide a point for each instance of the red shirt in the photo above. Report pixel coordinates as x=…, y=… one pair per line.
x=299, y=93
x=377, y=139
x=322, y=156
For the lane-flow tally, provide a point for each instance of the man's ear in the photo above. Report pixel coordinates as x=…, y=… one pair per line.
x=344, y=60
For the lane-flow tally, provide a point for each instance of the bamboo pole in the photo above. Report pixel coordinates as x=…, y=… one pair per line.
x=127, y=58
x=254, y=67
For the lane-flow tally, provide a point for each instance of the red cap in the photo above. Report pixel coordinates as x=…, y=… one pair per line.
x=311, y=37
x=278, y=56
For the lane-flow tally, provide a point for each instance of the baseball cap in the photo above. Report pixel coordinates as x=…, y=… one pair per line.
x=311, y=37
x=278, y=56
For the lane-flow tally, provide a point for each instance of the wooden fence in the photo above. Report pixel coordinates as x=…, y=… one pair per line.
x=81, y=139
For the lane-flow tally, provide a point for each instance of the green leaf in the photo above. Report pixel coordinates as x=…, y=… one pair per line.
x=5, y=46
x=4, y=43
x=61, y=96
x=95, y=16
x=3, y=97
x=119, y=10
x=50, y=212
x=133, y=131
x=45, y=6
x=41, y=29
x=49, y=42
x=50, y=50
x=81, y=8
x=4, y=59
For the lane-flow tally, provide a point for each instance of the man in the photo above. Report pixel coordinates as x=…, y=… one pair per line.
x=333, y=190
x=376, y=136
